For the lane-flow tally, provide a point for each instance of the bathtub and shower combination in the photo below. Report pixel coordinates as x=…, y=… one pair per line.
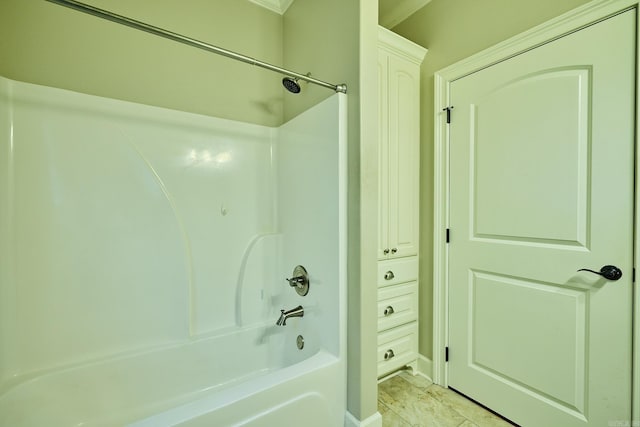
x=144, y=254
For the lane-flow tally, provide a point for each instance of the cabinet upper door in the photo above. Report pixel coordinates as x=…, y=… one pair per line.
x=399, y=157
x=403, y=156
x=399, y=144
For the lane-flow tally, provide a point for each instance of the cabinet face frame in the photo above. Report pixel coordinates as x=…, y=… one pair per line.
x=383, y=158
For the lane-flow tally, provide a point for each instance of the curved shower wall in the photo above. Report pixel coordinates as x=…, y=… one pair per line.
x=127, y=225
x=138, y=240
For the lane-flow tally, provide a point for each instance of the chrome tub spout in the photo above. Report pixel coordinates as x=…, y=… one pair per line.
x=294, y=312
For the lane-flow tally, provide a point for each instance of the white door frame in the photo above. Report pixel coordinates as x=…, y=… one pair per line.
x=544, y=33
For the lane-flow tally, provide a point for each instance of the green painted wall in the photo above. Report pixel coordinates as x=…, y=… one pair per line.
x=47, y=44
x=453, y=30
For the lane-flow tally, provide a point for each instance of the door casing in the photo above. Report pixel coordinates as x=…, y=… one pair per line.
x=569, y=22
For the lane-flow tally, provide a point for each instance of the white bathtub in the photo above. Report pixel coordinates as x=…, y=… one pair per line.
x=143, y=254
x=239, y=378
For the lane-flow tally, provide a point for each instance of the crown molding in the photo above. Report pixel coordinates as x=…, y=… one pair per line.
x=402, y=47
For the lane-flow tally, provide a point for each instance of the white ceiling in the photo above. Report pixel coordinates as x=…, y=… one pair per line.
x=390, y=12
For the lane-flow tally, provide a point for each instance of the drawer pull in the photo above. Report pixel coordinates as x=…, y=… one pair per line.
x=389, y=275
x=386, y=251
x=389, y=311
x=388, y=354
x=394, y=250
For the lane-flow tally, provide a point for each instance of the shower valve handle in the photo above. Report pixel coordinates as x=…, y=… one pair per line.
x=296, y=281
x=299, y=280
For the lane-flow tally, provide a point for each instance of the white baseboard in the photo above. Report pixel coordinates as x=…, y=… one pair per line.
x=425, y=367
x=374, y=420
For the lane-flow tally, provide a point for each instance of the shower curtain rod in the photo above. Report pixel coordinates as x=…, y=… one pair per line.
x=105, y=14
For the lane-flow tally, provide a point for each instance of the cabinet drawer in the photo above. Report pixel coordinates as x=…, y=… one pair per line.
x=397, y=347
x=395, y=271
x=397, y=305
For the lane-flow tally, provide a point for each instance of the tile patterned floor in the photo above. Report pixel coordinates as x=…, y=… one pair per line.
x=405, y=400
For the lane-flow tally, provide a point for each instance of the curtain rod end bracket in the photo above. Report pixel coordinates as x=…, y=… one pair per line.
x=342, y=88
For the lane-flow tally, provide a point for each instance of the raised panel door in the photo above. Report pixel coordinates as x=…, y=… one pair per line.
x=404, y=98
x=542, y=149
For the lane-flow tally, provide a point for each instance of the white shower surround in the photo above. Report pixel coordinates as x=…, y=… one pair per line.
x=143, y=253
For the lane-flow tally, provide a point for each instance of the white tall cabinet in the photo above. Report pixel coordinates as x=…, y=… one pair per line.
x=399, y=63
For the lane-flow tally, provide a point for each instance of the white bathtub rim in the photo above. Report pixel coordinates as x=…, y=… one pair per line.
x=36, y=375
x=203, y=400
x=206, y=404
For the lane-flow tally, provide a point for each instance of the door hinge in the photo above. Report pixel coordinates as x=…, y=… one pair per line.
x=448, y=236
x=448, y=110
x=446, y=354
x=633, y=275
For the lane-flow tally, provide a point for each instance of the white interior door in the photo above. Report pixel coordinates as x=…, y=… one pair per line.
x=541, y=185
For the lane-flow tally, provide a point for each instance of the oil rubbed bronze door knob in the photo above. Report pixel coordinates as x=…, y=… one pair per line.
x=609, y=272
